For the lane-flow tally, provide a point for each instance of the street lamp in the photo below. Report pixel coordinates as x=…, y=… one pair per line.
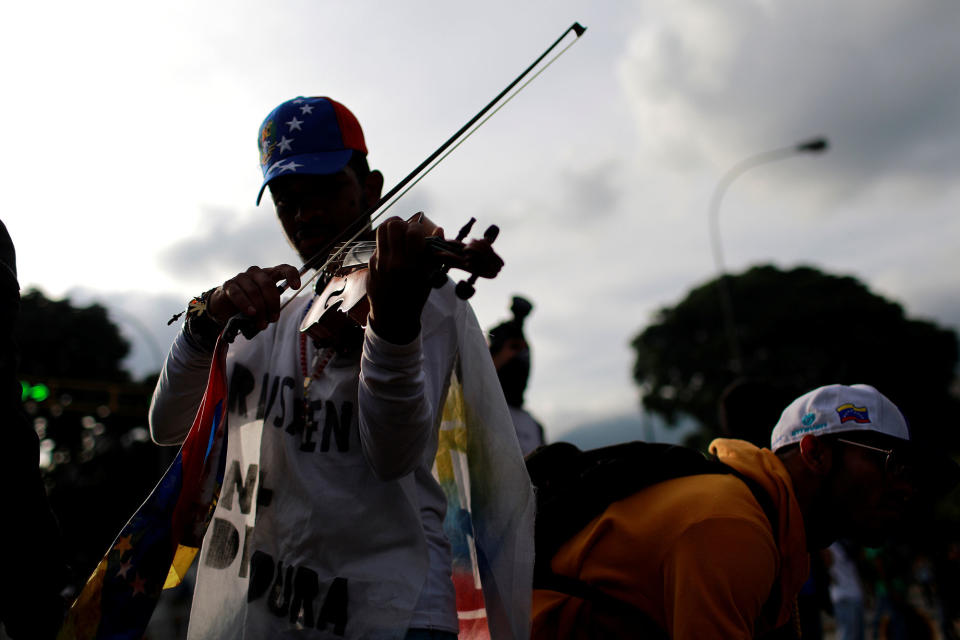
x=813, y=145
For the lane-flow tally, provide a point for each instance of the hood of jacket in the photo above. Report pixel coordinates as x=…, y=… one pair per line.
x=763, y=466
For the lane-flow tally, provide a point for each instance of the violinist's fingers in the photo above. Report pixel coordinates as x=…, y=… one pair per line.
x=414, y=241
x=245, y=292
x=285, y=272
x=262, y=290
x=253, y=293
x=398, y=285
x=390, y=234
x=383, y=234
x=396, y=244
x=426, y=222
x=228, y=299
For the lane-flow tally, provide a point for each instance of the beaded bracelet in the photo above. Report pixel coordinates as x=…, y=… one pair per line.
x=200, y=325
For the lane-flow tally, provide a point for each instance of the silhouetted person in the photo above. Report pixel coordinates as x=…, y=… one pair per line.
x=511, y=358
x=34, y=570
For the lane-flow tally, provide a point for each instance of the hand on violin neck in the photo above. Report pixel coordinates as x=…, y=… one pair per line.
x=399, y=284
x=253, y=293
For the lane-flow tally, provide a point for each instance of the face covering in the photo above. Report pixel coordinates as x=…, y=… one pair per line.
x=513, y=378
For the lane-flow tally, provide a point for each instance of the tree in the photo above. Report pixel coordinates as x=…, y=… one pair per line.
x=797, y=330
x=57, y=339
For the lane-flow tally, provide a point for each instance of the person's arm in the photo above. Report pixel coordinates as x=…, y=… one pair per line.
x=397, y=394
x=179, y=390
x=395, y=413
x=717, y=579
x=183, y=379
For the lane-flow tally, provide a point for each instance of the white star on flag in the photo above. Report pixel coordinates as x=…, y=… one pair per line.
x=290, y=166
x=307, y=108
x=284, y=144
x=294, y=124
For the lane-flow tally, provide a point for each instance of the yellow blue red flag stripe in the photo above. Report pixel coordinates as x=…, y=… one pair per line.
x=158, y=544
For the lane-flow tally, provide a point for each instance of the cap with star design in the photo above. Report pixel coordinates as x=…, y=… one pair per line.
x=307, y=136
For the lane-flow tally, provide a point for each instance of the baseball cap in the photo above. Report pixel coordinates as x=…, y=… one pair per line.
x=838, y=408
x=307, y=136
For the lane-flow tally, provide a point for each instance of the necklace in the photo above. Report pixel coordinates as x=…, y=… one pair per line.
x=321, y=358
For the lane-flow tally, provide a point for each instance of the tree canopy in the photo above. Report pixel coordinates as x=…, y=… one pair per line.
x=58, y=339
x=797, y=330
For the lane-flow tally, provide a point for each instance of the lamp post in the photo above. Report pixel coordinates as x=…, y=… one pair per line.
x=813, y=145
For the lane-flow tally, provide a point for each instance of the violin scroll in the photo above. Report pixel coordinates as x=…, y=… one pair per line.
x=489, y=269
x=476, y=257
x=439, y=277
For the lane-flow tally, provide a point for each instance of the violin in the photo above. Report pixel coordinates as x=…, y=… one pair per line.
x=337, y=317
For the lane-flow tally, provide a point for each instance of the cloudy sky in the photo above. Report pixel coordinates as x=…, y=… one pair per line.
x=131, y=165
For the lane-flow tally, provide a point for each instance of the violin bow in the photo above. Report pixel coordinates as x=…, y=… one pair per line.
x=324, y=257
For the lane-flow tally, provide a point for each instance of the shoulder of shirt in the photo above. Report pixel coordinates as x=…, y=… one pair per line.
x=697, y=499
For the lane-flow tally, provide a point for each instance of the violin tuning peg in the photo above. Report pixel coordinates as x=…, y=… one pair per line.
x=465, y=290
x=465, y=229
x=491, y=233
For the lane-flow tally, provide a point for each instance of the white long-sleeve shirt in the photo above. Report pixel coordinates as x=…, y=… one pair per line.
x=347, y=495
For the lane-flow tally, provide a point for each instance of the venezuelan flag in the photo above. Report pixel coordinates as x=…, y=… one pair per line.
x=161, y=540
x=848, y=411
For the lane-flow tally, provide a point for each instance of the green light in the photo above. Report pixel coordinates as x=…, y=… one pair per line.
x=39, y=392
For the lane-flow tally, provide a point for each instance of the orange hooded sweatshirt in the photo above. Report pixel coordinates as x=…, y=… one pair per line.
x=696, y=554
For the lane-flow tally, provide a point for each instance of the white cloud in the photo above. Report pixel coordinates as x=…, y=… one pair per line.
x=227, y=243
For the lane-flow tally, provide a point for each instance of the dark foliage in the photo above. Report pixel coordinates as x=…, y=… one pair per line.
x=57, y=339
x=797, y=330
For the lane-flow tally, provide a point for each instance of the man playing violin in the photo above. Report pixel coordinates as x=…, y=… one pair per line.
x=331, y=521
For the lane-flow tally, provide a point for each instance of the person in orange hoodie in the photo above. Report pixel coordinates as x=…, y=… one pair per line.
x=699, y=557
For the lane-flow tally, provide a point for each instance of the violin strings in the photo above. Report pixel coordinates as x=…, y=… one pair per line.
x=336, y=254
x=344, y=249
